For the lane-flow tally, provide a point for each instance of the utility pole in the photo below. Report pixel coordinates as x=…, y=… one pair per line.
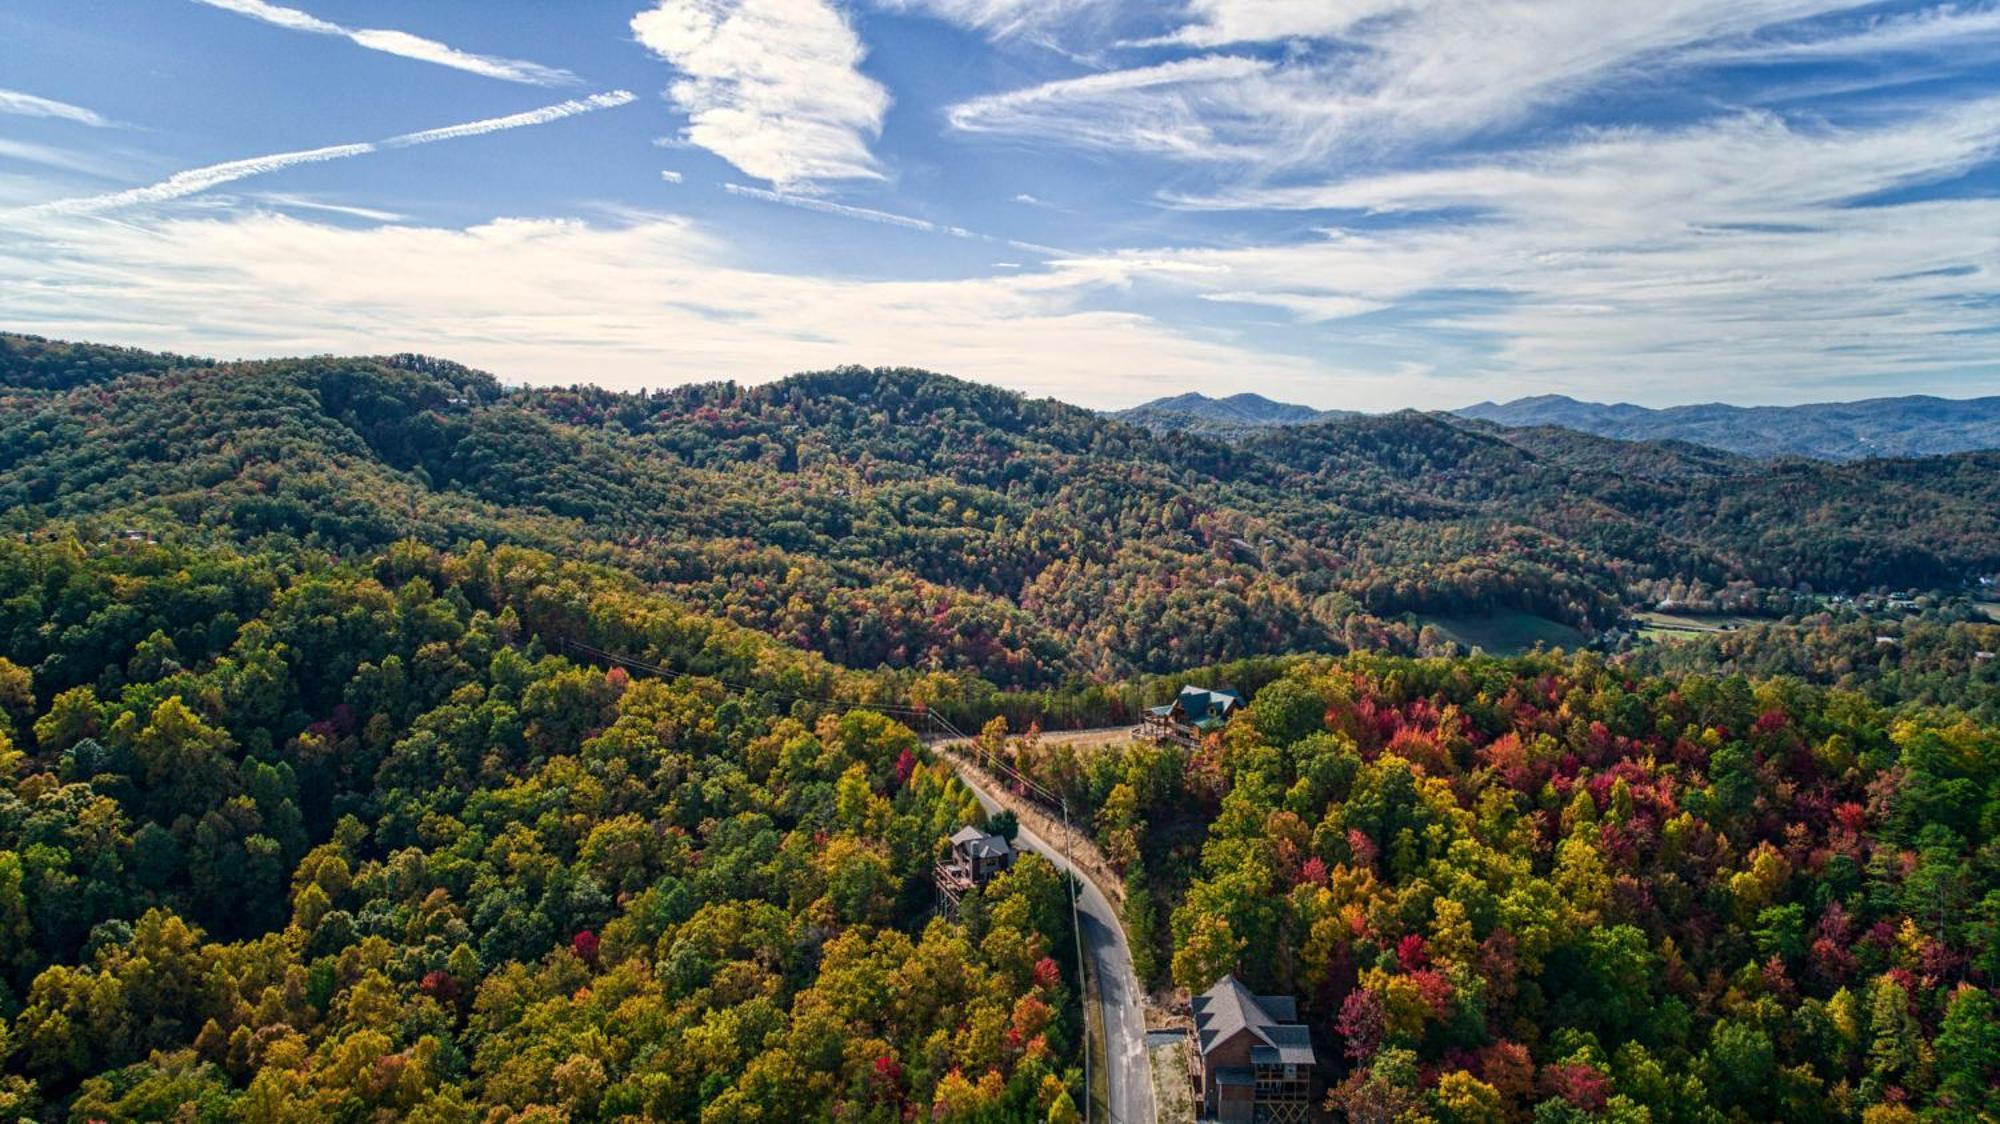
x=1083, y=986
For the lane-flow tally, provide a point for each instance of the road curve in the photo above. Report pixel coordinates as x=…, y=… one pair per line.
x=1128, y=1067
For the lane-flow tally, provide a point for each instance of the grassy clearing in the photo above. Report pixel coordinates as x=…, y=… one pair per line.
x=1506, y=633
x=1992, y=609
x=1669, y=626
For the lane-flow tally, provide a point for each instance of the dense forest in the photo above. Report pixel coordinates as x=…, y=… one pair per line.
x=284, y=839
x=1916, y=661
x=906, y=520
x=1541, y=888
x=316, y=801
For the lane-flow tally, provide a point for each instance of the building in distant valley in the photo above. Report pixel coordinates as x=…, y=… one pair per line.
x=976, y=858
x=1249, y=1058
x=1195, y=713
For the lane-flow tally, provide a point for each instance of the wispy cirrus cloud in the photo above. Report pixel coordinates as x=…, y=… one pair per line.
x=1220, y=23
x=290, y=201
x=1970, y=33
x=886, y=218
x=1385, y=74
x=827, y=207
x=999, y=19
x=18, y=104
x=1197, y=109
x=772, y=86
x=1743, y=251
x=400, y=43
x=194, y=181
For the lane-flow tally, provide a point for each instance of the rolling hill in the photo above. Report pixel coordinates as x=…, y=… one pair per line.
x=1881, y=427
x=1913, y=426
x=906, y=520
x=1202, y=414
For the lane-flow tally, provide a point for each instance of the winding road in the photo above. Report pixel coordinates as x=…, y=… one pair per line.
x=1128, y=1067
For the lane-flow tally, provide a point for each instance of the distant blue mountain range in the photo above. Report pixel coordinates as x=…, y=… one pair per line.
x=1917, y=425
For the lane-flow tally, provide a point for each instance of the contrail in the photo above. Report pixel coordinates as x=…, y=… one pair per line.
x=400, y=43
x=196, y=180
x=541, y=116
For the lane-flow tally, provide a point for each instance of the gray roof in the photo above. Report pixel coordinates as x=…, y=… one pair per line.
x=1229, y=1008
x=977, y=842
x=1291, y=1044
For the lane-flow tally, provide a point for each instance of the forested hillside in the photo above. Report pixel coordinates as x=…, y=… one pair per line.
x=907, y=520
x=287, y=839
x=1231, y=416
x=1916, y=425
x=1911, y=426
x=1545, y=889
x=312, y=806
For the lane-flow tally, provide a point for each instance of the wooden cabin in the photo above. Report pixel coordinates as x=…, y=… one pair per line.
x=976, y=859
x=1249, y=1058
x=1194, y=714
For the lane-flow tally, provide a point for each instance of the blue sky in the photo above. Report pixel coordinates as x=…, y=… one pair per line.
x=1353, y=203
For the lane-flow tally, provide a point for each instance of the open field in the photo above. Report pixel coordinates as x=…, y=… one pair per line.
x=1992, y=609
x=1100, y=738
x=1667, y=626
x=1506, y=633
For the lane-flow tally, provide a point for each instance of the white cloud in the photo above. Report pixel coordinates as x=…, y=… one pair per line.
x=284, y=17
x=542, y=116
x=772, y=86
x=1000, y=19
x=399, y=43
x=1389, y=74
x=886, y=218
x=1950, y=28
x=1308, y=307
x=1731, y=259
x=18, y=104
x=290, y=201
x=51, y=156
x=194, y=181
x=1217, y=23
x=809, y=203
x=1183, y=109
x=654, y=302
x=180, y=185
x=670, y=176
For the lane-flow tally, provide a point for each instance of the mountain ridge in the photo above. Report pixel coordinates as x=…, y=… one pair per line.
x=1248, y=410
x=905, y=519
x=1896, y=426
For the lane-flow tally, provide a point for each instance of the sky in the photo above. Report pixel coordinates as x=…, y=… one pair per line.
x=1363, y=204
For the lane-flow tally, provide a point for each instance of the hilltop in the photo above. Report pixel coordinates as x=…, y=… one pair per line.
x=1918, y=425
x=904, y=519
x=1200, y=413
x=1912, y=426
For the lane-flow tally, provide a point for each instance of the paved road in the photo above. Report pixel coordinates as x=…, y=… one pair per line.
x=1129, y=1071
